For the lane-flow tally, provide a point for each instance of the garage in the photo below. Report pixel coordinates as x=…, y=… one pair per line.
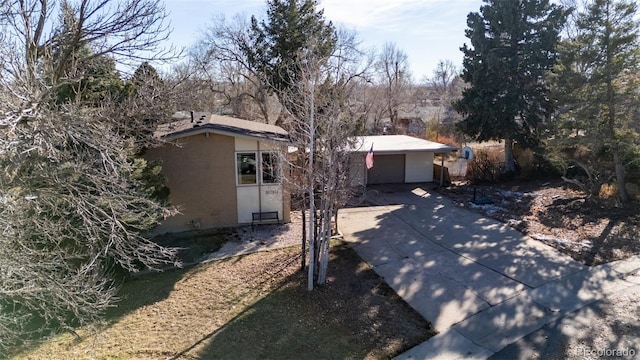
x=397, y=159
x=388, y=169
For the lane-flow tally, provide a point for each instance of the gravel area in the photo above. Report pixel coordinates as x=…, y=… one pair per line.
x=254, y=238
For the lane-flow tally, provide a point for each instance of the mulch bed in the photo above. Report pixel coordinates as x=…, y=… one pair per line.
x=590, y=230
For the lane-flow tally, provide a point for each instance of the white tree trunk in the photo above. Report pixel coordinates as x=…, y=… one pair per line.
x=325, y=241
x=312, y=209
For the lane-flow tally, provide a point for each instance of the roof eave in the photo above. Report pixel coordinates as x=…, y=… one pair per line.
x=403, y=151
x=212, y=129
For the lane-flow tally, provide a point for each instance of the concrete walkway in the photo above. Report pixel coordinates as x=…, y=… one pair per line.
x=482, y=284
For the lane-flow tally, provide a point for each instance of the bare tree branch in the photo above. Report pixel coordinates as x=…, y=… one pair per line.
x=75, y=205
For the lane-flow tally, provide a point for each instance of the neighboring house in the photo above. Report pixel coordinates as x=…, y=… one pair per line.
x=221, y=171
x=411, y=126
x=397, y=159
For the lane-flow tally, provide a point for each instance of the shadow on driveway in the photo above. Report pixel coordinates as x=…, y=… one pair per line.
x=462, y=271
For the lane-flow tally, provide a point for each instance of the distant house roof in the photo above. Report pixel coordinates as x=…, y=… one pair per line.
x=223, y=125
x=390, y=144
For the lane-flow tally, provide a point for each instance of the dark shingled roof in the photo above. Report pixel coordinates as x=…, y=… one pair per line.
x=218, y=124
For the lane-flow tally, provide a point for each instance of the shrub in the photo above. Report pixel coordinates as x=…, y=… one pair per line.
x=527, y=165
x=610, y=191
x=547, y=166
x=486, y=166
x=447, y=140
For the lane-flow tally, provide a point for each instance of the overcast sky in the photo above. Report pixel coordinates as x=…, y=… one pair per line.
x=427, y=30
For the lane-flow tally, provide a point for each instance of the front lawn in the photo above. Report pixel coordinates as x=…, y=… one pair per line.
x=254, y=306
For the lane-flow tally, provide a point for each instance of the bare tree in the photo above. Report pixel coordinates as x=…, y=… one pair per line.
x=394, y=77
x=74, y=206
x=220, y=60
x=311, y=77
x=323, y=120
x=68, y=216
x=130, y=30
x=442, y=82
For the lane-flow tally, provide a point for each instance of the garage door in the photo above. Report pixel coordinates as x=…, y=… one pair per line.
x=387, y=169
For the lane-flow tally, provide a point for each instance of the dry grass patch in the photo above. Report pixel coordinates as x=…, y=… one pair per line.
x=255, y=306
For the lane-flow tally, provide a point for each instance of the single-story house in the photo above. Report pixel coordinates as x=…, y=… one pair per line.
x=221, y=171
x=397, y=159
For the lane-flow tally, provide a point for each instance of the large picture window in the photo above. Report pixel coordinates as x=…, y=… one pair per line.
x=246, y=167
x=270, y=168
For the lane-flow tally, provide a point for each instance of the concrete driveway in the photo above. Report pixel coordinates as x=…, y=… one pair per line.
x=482, y=284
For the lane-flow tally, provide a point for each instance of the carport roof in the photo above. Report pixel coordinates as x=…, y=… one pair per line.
x=398, y=144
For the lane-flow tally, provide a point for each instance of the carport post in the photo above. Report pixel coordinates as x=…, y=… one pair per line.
x=441, y=169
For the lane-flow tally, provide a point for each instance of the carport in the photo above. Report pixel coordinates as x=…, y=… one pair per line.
x=397, y=159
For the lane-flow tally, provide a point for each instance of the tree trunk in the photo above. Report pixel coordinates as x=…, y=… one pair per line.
x=312, y=209
x=618, y=166
x=303, y=253
x=620, y=177
x=317, y=242
x=324, y=242
x=509, y=165
x=312, y=245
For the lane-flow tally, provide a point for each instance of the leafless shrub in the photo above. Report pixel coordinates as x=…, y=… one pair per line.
x=486, y=166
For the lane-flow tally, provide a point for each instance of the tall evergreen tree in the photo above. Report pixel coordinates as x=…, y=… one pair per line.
x=603, y=57
x=147, y=104
x=513, y=46
x=91, y=83
x=280, y=40
x=82, y=75
x=146, y=76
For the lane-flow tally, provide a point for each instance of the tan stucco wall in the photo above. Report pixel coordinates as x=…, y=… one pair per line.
x=201, y=175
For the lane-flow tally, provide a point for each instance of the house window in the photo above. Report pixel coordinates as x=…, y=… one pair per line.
x=270, y=168
x=246, y=167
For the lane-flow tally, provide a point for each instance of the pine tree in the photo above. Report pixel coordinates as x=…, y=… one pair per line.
x=608, y=53
x=513, y=46
x=147, y=104
x=283, y=38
